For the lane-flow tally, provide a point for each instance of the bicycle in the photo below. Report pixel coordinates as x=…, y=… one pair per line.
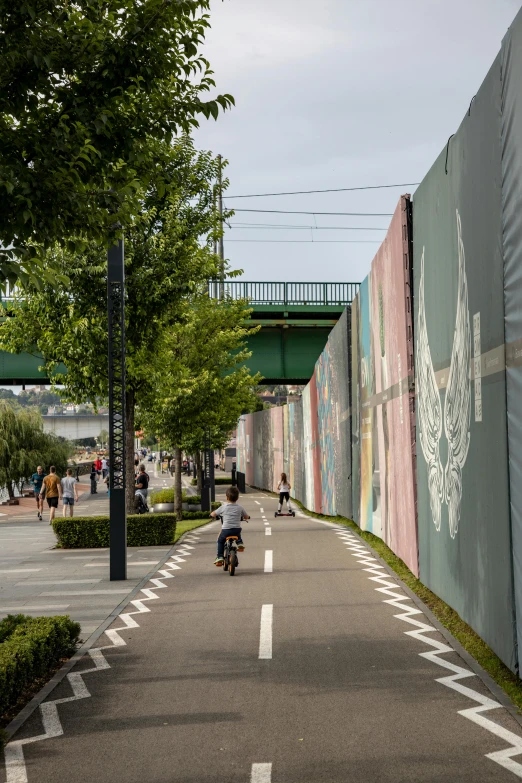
x=230, y=561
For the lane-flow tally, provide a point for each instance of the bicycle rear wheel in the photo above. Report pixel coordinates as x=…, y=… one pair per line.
x=233, y=563
x=225, y=561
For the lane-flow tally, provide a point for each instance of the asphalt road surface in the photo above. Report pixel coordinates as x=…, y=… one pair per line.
x=298, y=669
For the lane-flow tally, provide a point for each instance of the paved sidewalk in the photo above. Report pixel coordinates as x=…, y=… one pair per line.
x=310, y=665
x=37, y=579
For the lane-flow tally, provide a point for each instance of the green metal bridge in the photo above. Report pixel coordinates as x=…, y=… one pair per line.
x=295, y=319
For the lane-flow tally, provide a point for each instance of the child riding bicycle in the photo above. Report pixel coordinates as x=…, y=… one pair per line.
x=231, y=514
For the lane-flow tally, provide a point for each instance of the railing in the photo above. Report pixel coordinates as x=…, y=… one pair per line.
x=286, y=293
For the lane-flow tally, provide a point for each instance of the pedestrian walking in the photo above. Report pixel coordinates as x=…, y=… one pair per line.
x=172, y=465
x=104, y=467
x=37, y=480
x=53, y=491
x=69, y=492
x=98, y=467
x=93, y=477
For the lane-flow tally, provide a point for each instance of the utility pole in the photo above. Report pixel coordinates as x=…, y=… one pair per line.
x=221, y=246
x=214, y=292
x=116, y=311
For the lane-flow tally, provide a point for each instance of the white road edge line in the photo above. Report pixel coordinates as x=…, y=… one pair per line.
x=268, y=531
x=268, y=561
x=389, y=587
x=265, y=632
x=261, y=773
x=15, y=767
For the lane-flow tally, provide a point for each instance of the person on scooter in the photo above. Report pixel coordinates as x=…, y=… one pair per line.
x=284, y=488
x=231, y=514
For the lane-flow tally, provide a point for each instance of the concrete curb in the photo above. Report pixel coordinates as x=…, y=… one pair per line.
x=49, y=687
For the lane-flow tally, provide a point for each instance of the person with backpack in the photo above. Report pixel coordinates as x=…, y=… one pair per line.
x=142, y=482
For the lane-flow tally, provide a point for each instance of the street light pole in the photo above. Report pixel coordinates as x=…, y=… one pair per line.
x=116, y=311
x=221, y=245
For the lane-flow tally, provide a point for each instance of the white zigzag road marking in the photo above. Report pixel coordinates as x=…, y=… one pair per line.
x=486, y=703
x=16, y=771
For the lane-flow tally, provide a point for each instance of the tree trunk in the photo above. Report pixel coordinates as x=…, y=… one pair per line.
x=10, y=490
x=129, y=451
x=198, y=472
x=177, y=485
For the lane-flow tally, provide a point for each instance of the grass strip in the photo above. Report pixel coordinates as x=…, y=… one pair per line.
x=448, y=617
x=189, y=524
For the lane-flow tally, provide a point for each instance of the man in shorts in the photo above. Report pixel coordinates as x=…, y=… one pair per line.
x=53, y=491
x=37, y=479
x=69, y=492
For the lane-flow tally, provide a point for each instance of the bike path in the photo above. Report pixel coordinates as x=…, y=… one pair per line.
x=342, y=692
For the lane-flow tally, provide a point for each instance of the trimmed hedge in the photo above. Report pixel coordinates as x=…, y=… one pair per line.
x=31, y=650
x=92, y=532
x=9, y=624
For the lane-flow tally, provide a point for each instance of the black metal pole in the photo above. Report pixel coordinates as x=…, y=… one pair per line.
x=116, y=310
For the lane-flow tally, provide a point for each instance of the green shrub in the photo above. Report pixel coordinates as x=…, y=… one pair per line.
x=192, y=499
x=10, y=623
x=219, y=480
x=196, y=515
x=164, y=496
x=92, y=532
x=215, y=504
x=31, y=651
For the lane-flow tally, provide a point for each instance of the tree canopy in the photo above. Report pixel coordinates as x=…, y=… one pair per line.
x=202, y=384
x=168, y=255
x=87, y=92
x=24, y=445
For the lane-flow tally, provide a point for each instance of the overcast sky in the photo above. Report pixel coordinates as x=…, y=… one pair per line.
x=332, y=94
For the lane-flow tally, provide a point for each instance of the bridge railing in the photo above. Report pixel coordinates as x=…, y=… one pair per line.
x=275, y=293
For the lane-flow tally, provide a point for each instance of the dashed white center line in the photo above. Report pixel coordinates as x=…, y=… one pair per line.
x=262, y=510
x=268, y=561
x=261, y=773
x=268, y=531
x=257, y=501
x=266, y=523
x=265, y=634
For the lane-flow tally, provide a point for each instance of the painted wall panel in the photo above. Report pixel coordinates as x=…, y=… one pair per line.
x=512, y=247
x=462, y=465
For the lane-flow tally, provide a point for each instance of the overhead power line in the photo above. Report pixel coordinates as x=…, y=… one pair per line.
x=328, y=190
x=249, y=226
x=294, y=212
x=316, y=242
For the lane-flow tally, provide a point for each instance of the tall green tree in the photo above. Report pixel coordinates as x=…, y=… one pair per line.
x=202, y=380
x=87, y=88
x=168, y=254
x=24, y=445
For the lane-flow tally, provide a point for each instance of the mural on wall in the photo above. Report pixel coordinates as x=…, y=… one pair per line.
x=445, y=485
x=369, y=500
x=392, y=399
x=356, y=409
x=464, y=527
x=327, y=430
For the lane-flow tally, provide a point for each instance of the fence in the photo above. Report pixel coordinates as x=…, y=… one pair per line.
x=431, y=394
x=275, y=293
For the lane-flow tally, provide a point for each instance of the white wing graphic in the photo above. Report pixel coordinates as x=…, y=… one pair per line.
x=457, y=405
x=429, y=409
